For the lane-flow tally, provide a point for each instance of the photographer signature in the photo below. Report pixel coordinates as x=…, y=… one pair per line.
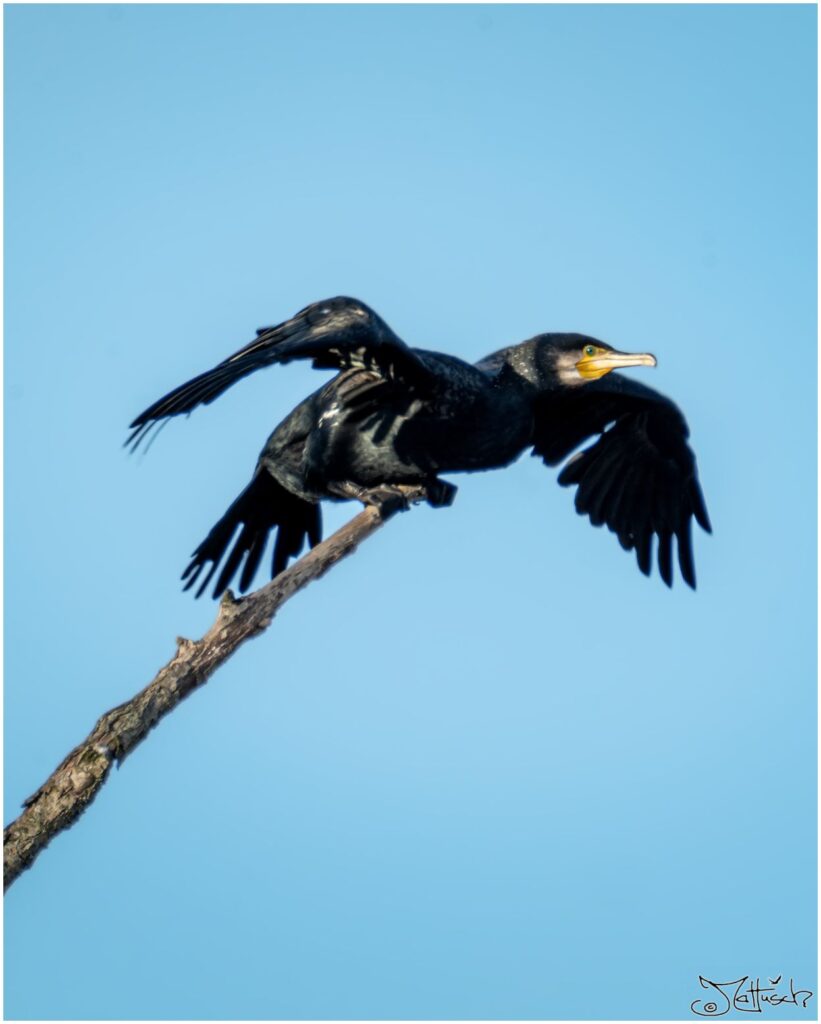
x=733, y=995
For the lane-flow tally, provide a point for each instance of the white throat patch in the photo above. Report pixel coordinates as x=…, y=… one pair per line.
x=566, y=371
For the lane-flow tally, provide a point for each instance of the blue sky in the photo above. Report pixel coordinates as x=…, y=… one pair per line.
x=484, y=768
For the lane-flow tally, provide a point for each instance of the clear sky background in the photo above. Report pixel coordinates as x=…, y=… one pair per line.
x=485, y=768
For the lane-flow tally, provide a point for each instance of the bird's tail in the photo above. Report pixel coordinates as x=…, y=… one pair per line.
x=263, y=505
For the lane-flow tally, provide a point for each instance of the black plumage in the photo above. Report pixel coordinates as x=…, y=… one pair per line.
x=394, y=415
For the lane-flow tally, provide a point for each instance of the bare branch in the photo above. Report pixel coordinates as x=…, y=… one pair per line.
x=73, y=785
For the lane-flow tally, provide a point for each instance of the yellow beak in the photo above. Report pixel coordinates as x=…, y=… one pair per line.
x=595, y=366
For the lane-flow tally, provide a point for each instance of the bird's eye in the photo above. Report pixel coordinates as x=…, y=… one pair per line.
x=590, y=350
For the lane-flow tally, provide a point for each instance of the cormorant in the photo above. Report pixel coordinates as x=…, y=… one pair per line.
x=395, y=415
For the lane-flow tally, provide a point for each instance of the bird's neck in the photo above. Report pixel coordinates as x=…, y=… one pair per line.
x=515, y=369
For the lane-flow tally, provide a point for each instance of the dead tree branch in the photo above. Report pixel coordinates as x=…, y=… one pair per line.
x=63, y=797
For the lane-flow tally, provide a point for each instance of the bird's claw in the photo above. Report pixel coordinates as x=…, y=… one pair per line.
x=440, y=494
x=388, y=500
x=393, y=498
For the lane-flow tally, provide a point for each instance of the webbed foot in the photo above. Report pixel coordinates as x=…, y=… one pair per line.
x=440, y=493
x=393, y=498
x=388, y=500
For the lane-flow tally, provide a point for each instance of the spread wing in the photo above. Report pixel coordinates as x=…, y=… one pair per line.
x=639, y=476
x=338, y=333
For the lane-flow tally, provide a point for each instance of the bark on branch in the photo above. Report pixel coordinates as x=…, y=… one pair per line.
x=73, y=785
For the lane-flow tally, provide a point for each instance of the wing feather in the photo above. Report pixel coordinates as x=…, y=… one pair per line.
x=639, y=477
x=340, y=333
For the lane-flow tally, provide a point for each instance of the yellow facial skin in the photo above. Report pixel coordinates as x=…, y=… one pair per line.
x=596, y=362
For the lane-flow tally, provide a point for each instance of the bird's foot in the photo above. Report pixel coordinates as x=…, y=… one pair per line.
x=392, y=498
x=439, y=493
x=389, y=499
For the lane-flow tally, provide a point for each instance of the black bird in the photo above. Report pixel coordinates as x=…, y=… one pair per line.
x=395, y=415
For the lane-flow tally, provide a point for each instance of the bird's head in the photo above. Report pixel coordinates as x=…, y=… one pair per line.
x=570, y=360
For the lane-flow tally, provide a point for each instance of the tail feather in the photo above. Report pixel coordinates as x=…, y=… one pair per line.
x=263, y=506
